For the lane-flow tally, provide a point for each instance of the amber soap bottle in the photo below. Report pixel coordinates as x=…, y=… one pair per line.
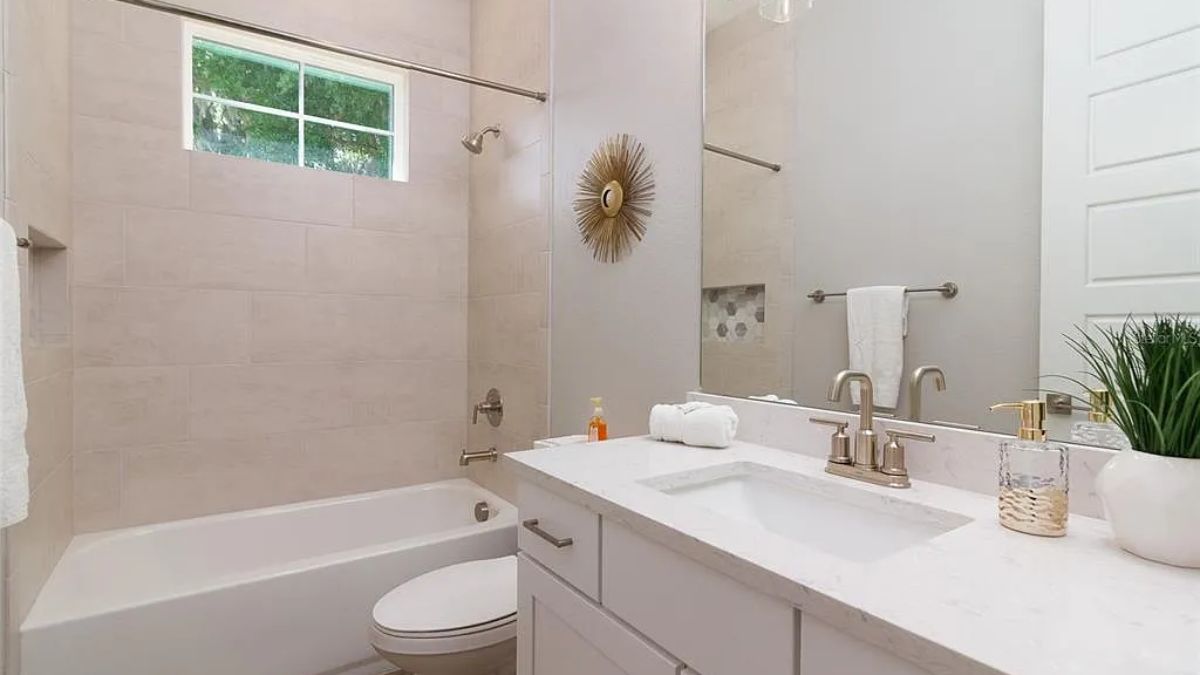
x=597, y=426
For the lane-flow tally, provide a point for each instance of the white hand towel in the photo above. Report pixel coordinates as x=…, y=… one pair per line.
x=666, y=419
x=14, y=462
x=877, y=322
x=711, y=427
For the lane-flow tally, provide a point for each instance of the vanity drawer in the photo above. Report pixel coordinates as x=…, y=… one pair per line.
x=561, y=535
x=705, y=619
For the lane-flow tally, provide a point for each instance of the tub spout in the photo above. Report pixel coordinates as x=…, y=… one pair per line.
x=489, y=455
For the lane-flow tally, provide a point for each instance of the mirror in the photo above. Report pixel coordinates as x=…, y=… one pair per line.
x=909, y=143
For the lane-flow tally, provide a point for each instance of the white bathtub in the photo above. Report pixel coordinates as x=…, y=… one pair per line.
x=278, y=591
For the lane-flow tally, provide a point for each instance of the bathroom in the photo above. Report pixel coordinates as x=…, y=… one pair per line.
x=306, y=303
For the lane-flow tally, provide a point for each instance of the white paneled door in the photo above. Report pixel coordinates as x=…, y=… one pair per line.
x=1121, y=167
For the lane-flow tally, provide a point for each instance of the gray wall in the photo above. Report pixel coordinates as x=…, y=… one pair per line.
x=628, y=331
x=920, y=128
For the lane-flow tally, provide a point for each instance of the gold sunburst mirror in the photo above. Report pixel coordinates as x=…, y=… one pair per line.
x=613, y=200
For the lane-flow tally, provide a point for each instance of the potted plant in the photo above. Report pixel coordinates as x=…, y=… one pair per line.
x=1151, y=494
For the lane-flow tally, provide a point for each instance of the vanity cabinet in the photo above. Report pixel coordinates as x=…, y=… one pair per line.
x=597, y=598
x=560, y=632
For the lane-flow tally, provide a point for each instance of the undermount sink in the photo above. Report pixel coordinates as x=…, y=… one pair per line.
x=841, y=520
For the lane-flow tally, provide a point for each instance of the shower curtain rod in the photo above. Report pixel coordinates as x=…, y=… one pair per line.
x=323, y=45
x=749, y=159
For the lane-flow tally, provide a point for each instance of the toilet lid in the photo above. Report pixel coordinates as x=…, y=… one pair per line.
x=478, y=594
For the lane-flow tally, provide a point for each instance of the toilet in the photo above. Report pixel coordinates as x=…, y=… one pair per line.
x=456, y=620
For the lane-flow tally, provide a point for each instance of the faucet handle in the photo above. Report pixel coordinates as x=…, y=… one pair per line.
x=839, y=443
x=893, y=451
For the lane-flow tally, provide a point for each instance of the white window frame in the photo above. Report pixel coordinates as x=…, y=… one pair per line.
x=395, y=77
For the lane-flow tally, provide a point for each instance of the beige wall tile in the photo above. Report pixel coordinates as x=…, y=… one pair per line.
x=127, y=82
x=128, y=164
x=97, y=490
x=35, y=544
x=387, y=393
x=246, y=187
x=307, y=327
x=202, y=477
x=117, y=407
x=501, y=329
x=245, y=401
x=48, y=436
x=148, y=326
x=363, y=261
x=424, y=205
x=186, y=248
x=99, y=243
x=358, y=459
x=149, y=29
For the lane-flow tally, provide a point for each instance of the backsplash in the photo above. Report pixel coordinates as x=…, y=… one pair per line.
x=734, y=313
x=959, y=458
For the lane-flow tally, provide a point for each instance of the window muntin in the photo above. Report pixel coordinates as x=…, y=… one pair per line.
x=253, y=97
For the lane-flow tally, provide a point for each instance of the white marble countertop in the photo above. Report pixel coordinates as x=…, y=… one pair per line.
x=977, y=599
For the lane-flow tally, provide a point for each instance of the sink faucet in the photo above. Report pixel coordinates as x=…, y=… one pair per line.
x=914, y=388
x=864, y=465
x=864, y=440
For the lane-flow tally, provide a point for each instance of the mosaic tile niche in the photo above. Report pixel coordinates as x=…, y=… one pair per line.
x=734, y=313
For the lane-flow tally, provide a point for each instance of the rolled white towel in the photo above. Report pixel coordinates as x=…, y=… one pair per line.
x=712, y=427
x=667, y=419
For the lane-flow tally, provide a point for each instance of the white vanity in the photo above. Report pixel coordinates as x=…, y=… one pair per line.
x=654, y=558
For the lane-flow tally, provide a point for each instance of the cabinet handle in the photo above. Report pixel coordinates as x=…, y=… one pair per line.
x=532, y=526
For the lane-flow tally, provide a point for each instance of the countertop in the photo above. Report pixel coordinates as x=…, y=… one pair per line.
x=977, y=599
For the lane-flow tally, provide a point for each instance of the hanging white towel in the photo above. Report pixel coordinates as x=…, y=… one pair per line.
x=877, y=322
x=14, y=462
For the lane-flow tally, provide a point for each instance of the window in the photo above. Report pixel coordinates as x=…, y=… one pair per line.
x=253, y=97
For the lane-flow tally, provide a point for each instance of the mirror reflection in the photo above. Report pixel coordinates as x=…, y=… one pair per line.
x=858, y=149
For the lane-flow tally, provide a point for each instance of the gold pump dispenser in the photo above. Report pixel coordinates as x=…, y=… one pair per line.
x=1033, y=418
x=1101, y=402
x=1033, y=475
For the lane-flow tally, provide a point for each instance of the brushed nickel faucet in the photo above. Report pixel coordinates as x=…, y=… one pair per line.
x=864, y=440
x=864, y=464
x=914, y=388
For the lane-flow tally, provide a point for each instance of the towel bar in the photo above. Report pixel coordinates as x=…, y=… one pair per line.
x=948, y=290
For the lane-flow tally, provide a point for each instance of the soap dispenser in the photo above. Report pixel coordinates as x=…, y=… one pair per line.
x=1033, y=475
x=1099, y=428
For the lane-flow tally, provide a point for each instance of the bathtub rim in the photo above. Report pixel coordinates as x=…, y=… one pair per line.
x=506, y=518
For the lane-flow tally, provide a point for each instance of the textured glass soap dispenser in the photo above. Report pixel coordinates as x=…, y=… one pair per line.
x=1033, y=476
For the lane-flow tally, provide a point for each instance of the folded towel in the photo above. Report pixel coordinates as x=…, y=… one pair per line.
x=713, y=427
x=14, y=462
x=695, y=423
x=877, y=321
x=773, y=398
x=666, y=419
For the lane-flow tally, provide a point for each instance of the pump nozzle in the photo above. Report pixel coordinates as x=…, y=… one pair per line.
x=1033, y=418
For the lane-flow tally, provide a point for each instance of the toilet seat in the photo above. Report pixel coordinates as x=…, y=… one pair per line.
x=454, y=609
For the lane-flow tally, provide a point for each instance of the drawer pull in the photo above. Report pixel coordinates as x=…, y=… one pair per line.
x=532, y=526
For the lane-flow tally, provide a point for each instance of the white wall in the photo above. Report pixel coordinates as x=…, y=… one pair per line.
x=628, y=331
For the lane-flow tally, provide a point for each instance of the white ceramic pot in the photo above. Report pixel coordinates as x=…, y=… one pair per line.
x=1153, y=505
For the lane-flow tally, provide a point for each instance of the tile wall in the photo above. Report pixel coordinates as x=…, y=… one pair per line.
x=250, y=333
x=509, y=231
x=37, y=186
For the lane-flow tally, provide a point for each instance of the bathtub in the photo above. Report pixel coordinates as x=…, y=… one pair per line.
x=284, y=590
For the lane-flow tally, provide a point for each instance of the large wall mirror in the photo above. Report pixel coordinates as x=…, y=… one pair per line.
x=857, y=143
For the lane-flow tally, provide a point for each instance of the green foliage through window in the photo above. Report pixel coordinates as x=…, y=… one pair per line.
x=249, y=104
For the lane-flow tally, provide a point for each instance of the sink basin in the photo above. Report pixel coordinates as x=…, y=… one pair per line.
x=841, y=520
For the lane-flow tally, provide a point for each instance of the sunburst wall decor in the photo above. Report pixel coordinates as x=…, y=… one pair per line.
x=613, y=200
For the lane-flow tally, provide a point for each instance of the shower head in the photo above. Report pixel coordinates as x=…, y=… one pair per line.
x=474, y=142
